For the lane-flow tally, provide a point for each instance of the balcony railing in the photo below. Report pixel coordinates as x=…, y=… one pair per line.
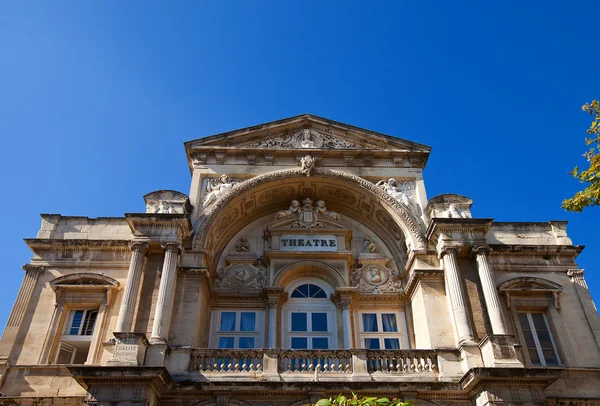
x=311, y=364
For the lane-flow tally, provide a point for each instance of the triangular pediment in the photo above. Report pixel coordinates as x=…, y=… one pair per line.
x=306, y=132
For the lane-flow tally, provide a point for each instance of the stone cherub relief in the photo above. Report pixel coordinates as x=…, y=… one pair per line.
x=455, y=213
x=369, y=245
x=308, y=164
x=240, y=277
x=307, y=215
x=305, y=139
x=375, y=278
x=242, y=245
x=403, y=193
x=218, y=188
x=163, y=208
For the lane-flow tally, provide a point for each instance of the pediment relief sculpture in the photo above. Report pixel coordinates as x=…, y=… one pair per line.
x=449, y=206
x=402, y=192
x=309, y=216
x=166, y=202
x=305, y=139
x=240, y=277
x=218, y=187
x=375, y=278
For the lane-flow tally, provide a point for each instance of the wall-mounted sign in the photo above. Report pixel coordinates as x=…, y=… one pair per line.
x=310, y=242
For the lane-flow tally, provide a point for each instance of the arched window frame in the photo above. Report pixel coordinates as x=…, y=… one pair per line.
x=310, y=305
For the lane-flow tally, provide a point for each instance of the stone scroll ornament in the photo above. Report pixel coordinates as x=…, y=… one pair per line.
x=375, y=278
x=305, y=139
x=240, y=276
x=217, y=188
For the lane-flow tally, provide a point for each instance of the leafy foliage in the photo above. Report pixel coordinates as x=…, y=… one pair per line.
x=356, y=400
x=590, y=196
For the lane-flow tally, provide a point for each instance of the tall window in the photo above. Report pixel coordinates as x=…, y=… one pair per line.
x=238, y=329
x=76, y=337
x=310, y=318
x=383, y=330
x=538, y=339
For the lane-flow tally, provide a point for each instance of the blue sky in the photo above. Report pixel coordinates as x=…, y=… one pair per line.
x=97, y=98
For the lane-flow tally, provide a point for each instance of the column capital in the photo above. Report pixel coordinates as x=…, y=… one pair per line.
x=275, y=295
x=140, y=246
x=445, y=249
x=31, y=267
x=172, y=247
x=481, y=249
x=573, y=273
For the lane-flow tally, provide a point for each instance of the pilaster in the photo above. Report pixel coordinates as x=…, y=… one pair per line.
x=166, y=290
x=587, y=303
x=134, y=276
x=490, y=294
x=19, y=310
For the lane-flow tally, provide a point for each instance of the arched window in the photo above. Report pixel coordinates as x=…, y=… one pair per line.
x=309, y=291
x=310, y=317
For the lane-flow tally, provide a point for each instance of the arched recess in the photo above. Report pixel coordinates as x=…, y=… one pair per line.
x=345, y=193
x=302, y=269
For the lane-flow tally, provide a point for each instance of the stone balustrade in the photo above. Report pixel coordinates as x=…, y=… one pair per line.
x=309, y=364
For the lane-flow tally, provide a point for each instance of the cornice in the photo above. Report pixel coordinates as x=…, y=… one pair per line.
x=76, y=244
x=418, y=275
x=457, y=224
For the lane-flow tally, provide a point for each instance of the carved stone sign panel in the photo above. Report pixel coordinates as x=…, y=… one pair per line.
x=312, y=242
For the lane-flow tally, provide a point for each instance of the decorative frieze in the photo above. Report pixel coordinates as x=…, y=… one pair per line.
x=240, y=276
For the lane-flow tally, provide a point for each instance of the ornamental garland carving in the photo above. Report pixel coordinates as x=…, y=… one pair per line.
x=375, y=278
x=240, y=277
x=399, y=208
x=304, y=139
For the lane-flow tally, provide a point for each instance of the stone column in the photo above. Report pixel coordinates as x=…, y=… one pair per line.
x=586, y=302
x=346, y=324
x=19, y=310
x=344, y=300
x=166, y=290
x=134, y=276
x=455, y=291
x=275, y=296
x=492, y=301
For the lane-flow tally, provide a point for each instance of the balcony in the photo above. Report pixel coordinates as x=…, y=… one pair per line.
x=312, y=365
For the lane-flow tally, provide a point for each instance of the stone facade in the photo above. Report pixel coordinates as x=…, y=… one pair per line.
x=306, y=261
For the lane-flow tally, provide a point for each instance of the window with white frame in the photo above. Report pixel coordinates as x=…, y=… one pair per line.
x=237, y=329
x=310, y=321
x=538, y=339
x=383, y=330
x=76, y=338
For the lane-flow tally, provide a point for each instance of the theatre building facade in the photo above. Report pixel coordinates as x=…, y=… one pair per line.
x=306, y=261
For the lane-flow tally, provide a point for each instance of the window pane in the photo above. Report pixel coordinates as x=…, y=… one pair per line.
x=319, y=322
x=246, y=342
x=388, y=320
x=299, y=322
x=372, y=343
x=76, y=322
x=535, y=358
x=538, y=321
x=248, y=321
x=89, y=322
x=299, y=343
x=226, y=342
x=227, y=321
x=550, y=357
x=301, y=291
x=391, y=343
x=370, y=322
x=320, y=343
x=316, y=292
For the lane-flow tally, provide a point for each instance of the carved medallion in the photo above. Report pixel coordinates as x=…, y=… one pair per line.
x=375, y=278
x=240, y=276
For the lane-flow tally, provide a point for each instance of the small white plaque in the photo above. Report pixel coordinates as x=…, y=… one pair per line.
x=311, y=242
